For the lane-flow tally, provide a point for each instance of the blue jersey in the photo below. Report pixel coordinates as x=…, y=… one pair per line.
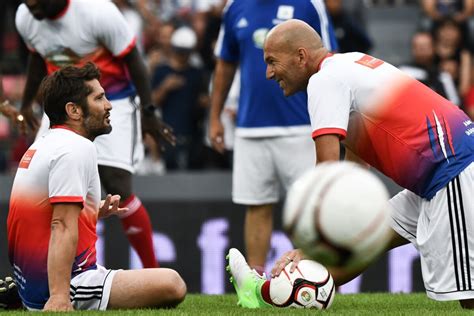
x=263, y=109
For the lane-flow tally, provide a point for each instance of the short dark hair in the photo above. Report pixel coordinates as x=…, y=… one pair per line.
x=67, y=85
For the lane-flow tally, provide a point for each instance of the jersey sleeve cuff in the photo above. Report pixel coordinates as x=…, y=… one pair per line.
x=128, y=48
x=325, y=131
x=66, y=199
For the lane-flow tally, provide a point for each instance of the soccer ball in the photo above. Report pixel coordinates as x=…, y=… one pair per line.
x=338, y=214
x=309, y=286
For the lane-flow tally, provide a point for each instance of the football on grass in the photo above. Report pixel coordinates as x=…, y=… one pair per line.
x=338, y=214
x=309, y=286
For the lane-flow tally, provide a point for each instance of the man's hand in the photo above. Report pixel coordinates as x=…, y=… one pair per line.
x=173, y=82
x=12, y=114
x=292, y=256
x=58, y=303
x=216, y=134
x=110, y=206
x=156, y=128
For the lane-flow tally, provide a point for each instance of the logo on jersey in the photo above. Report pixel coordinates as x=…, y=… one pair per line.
x=62, y=57
x=242, y=23
x=259, y=37
x=440, y=137
x=369, y=61
x=26, y=159
x=285, y=12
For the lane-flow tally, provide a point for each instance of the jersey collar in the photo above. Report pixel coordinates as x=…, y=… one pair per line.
x=63, y=127
x=321, y=61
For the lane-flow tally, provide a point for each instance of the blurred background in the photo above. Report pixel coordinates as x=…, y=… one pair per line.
x=188, y=188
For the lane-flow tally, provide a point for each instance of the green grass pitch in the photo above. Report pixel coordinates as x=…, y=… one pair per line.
x=357, y=304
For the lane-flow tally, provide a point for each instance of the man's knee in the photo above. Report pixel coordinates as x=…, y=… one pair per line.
x=175, y=288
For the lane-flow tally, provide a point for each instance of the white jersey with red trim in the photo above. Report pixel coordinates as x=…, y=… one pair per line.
x=85, y=31
x=392, y=121
x=60, y=167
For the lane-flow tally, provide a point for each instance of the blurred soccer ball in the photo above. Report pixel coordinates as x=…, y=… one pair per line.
x=338, y=214
x=309, y=286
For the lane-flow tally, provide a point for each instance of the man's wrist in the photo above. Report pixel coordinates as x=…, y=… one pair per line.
x=149, y=109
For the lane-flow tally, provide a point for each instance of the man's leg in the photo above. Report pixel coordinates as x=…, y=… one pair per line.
x=136, y=222
x=159, y=287
x=257, y=233
x=342, y=276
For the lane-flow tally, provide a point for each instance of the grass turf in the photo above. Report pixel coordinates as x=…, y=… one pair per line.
x=357, y=304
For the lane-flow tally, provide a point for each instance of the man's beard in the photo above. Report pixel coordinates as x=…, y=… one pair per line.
x=96, y=128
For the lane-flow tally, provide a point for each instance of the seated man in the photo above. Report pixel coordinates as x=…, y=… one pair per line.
x=55, y=204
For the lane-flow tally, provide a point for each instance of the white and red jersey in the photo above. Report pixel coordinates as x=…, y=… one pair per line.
x=86, y=30
x=60, y=167
x=392, y=121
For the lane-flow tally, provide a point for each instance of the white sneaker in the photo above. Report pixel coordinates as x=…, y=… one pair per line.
x=247, y=282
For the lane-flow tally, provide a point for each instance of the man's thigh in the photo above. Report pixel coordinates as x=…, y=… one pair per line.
x=254, y=179
x=90, y=290
x=123, y=147
x=293, y=156
x=159, y=287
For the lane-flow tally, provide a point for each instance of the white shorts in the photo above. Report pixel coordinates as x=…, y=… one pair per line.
x=442, y=230
x=261, y=165
x=123, y=147
x=91, y=289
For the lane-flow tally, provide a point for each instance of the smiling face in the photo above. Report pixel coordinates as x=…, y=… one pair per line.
x=283, y=66
x=97, y=119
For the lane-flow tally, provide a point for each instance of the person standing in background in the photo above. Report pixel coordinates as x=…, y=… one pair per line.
x=72, y=32
x=423, y=67
x=270, y=129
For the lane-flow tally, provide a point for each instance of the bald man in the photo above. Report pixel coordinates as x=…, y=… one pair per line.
x=399, y=126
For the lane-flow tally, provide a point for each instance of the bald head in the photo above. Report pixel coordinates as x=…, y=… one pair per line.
x=292, y=34
x=292, y=50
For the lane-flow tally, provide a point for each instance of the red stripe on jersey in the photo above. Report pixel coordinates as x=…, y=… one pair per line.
x=128, y=48
x=66, y=199
x=325, y=131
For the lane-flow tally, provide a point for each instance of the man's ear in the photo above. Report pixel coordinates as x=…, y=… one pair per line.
x=73, y=111
x=302, y=56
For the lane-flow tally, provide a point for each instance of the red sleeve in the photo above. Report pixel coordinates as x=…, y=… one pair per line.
x=66, y=199
x=325, y=131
